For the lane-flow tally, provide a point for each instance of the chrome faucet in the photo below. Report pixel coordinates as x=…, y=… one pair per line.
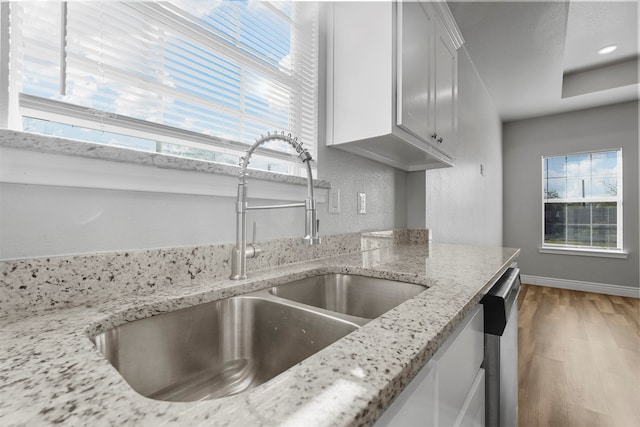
x=241, y=252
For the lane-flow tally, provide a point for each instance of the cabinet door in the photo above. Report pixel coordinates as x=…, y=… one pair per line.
x=416, y=405
x=457, y=364
x=473, y=411
x=449, y=390
x=446, y=90
x=415, y=53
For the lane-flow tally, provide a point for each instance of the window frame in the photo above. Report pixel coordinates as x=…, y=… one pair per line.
x=569, y=249
x=20, y=105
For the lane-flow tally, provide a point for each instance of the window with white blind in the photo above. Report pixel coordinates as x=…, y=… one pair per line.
x=186, y=77
x=582, y=201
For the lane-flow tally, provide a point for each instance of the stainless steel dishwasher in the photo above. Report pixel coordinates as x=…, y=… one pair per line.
x=501, y=350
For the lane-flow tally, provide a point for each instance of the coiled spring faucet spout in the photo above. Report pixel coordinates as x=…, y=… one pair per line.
x=241, y=252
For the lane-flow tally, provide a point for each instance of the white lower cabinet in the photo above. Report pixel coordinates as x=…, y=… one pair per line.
x=472, y=414
x=449, y=389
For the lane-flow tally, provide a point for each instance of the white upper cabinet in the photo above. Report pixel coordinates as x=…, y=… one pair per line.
x=416, y=95
x=392, y=82
x=446, y=90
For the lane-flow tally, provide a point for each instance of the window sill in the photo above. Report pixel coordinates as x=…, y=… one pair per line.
x=29, y=158
x=602, y=253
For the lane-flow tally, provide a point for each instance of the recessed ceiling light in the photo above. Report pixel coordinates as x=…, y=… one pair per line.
x=607, y=49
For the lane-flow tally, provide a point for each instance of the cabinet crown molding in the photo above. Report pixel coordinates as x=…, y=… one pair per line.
x=444, y=13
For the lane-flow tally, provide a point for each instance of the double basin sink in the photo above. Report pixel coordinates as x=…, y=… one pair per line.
x=228, y=346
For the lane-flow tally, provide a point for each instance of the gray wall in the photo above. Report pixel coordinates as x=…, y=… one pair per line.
x=416, y=199
x=462, y=205
x=39, y=220
x=384, y=186
x=525, y=142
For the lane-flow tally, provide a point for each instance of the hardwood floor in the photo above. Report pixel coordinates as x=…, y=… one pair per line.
x=579, y=359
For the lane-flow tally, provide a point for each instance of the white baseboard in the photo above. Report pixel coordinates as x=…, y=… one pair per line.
x=577, y=285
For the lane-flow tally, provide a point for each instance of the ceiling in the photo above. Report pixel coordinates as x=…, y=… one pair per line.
x=540, y=58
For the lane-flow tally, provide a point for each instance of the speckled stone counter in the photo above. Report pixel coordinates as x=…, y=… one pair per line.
x=50, y=372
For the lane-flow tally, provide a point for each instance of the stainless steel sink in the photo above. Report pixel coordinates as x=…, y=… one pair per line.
x=349, y=294
x=217, y=349
x=224, y=347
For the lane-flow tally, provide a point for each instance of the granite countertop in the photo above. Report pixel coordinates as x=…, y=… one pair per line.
x=50, y=372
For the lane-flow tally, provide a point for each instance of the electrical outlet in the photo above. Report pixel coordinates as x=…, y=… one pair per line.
x=334, y=200
x=362, y=203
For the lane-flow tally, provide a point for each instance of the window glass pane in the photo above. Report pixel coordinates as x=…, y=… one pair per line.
x=41, y=63
x=578, y=188
x=556, y=167
x=604, y=186
x=578, y=213
x=605, y=213
x=578, y=235
x=604, y=164
x=195, y=153
x=579, y=224
x=271, y=165
x=554, y=223
x=604, y=236
x=578, y=165
x=556, y=188
x=89, y=135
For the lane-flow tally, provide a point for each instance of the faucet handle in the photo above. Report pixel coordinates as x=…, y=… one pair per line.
x=252, y=251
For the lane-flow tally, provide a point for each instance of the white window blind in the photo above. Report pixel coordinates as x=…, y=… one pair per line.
x=201, y=79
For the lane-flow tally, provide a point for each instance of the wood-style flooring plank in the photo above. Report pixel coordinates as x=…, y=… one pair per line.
x=579, y=416
x=565, y=297
x=603, y=303
x=546, y=386
x=580, y=368
x=579, y=359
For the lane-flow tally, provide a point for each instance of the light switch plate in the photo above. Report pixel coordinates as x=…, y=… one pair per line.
x=334, y=200
x=362, y=203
